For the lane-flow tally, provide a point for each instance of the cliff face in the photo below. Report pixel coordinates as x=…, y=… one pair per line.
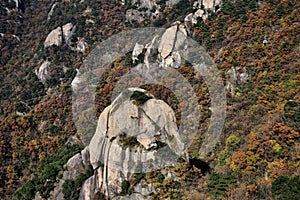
x=135, y=135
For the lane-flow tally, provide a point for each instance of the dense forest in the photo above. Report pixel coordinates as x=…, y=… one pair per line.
x=258, y=155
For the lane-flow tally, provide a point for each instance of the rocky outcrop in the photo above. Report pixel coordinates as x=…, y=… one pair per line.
x=135, y=134
x=236, y=77
x=172, y=42
x=51, y=11
x=203, y=7
x=43, y=72
x=142, y=9
x=164, y=52
x=137, y=50
x=81, y=46
x=54, y=38
x=57, y=35
x=68, y=30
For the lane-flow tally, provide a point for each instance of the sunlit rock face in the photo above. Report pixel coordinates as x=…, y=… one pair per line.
x=135, y=134
x=129, y=138
x=54, y=38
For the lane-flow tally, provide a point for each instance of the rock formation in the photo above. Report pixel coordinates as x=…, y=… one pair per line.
x=54, y=38
x=57, y=35
x=135, y=134
x=236, y=77
x=43, y=71
x=203, y=7
x=68, y=30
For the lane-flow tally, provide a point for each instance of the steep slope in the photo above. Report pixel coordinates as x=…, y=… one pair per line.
x=258, y=153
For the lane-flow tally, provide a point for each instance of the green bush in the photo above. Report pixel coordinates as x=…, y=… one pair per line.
x=218, y=183
x=232, y=141
x=43, y=181
x=71, y=188
x=125, y=186
x=160, y=178
x=286, y=188
x=139, y=97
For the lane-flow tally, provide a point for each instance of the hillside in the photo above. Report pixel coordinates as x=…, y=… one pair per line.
x=258, y=154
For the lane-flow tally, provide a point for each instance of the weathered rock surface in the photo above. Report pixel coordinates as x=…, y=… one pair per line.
x=203, y=7
x=43, y=71
x=137, y=50
x=57, y=35
x=81, y=46
x=54, y=38
x=235, y=78
x=51, y=11
x=167, y=41
x=171, y=43
x=68, y=30
x=144, y=125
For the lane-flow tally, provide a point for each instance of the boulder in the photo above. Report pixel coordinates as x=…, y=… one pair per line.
x=171, y=3
x=68, y=30
x=167, y=41
x=54, y=38
x=81, y=46
x=137, y=50
x=127, y=141
x=43, y=71
x=172, y=42
x=51, y=11
x=208, y=4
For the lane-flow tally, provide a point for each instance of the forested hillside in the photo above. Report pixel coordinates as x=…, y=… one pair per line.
x=258, y=155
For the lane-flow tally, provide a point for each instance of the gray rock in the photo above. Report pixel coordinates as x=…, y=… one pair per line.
x=54, y=38
x=68, y=31
x=208, y=4
x=81, y=46
x=85, y=156
x=172, y=42
x=134, y=196
x=137, y=50
x=171, y=3
x=143, y=188
x=153, y=121
x=51, y=11
x=167, y=41
x=92, y=185
x=236, y=78
x=43, y=71
x=75, y=162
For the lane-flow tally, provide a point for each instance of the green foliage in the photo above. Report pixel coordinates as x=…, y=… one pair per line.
x=218, y=184
x=232, y=141
x=222, y=156
x=139, y=98
x=125, y=187
x=160, y=178
x=286, y=188
x=71, y=188
x=49, y=168
x=138, y=176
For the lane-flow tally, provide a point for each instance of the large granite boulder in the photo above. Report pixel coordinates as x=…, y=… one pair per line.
x=135, y=134
x=54, y=38
x=43, y=72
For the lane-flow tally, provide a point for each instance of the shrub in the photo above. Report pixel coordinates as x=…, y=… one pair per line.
x=125, y=186
x=160, y=178
x=285, y=188
x=232, y=141
x=218, y=183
